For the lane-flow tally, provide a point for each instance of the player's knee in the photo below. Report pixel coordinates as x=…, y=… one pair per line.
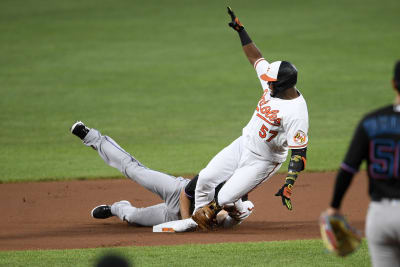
x=132, y=168
x=131, y=215
x=227, y=196
x=225, y=199
x=206, y=177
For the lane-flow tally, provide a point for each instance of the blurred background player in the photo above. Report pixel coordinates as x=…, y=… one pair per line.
x=279, y=123
x=112, y=260
x=176, y=192
x=377, y=140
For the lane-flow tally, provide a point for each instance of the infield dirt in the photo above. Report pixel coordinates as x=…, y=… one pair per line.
x=56, y=215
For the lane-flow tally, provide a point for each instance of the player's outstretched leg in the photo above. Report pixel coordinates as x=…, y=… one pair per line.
x=107, y=148
x=123, y=209
x=148, y=216
x=167, y=187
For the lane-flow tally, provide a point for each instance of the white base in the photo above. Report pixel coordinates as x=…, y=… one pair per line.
x=185, y=225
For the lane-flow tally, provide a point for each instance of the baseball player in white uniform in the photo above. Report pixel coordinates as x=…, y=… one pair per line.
x=279, y=123
x=177, y=193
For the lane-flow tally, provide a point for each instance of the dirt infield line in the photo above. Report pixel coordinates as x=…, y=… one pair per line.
x=55, y=215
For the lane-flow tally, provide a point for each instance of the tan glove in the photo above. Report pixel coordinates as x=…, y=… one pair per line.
x=338, y=236
x=205, y=216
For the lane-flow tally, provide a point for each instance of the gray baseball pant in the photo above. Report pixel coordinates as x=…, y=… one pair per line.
x=383, y=232
x=167, y=187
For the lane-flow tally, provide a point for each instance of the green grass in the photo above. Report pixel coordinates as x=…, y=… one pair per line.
x=170, y=83
x=287, y=253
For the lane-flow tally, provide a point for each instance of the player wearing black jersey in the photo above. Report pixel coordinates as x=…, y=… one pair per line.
x=377, y=140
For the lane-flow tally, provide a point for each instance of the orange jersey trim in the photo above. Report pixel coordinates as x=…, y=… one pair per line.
x=302, y=146
x=258, y=61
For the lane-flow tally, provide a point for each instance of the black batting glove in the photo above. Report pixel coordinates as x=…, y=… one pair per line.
x=235, y=23
x=285, y=193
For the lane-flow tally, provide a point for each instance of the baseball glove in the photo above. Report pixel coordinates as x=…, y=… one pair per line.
x=338, y=236
x=205, y=216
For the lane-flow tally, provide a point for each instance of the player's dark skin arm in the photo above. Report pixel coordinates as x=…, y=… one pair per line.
x=296, y=165
x=252, y=53
x=250, y=49
x=184, y=206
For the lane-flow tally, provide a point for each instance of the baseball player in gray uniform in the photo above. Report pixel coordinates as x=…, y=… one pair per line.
x=377, y=140
x=177, y=193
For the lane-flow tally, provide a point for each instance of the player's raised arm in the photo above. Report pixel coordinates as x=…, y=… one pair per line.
x=249, y=48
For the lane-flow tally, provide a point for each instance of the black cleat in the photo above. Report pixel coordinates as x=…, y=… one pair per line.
x=102, y=212
x=79, y=129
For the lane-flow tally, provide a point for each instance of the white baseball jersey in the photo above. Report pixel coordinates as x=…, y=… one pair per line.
x=254, y=157
x=277, y=124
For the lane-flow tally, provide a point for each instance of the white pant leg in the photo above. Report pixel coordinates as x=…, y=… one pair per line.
x=383, y=233
x=218, y=170
x=148, y=216
x=252, y=172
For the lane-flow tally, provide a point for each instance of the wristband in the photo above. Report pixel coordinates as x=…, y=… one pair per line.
x=244, y=37
x=291, y=178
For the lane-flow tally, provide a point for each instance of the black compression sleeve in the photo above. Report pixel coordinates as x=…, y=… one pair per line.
x=297, y=164
x=343, y=181
x=302, y=152
x=358, y=149
x=244, y=37
x=191, y=186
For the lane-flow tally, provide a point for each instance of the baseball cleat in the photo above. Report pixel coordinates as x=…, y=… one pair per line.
x=79, y=129
x=102, y=212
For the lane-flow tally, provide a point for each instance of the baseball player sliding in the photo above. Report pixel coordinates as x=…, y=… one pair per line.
x=279, y=123
x=176, y=192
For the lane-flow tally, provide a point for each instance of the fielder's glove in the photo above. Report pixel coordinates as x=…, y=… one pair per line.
x=285, y=193
x=338, y=236
x=235, y=23
x=205, y=216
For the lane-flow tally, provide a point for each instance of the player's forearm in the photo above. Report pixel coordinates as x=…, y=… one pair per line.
x=296, y=165
x=252, y=53
x=249, y=48
x=343, y=181
x=184, y=206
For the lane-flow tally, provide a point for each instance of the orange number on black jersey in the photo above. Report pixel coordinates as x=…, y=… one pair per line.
x=263, y=133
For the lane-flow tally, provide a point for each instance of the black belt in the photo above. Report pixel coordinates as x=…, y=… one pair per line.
x=376, y=198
